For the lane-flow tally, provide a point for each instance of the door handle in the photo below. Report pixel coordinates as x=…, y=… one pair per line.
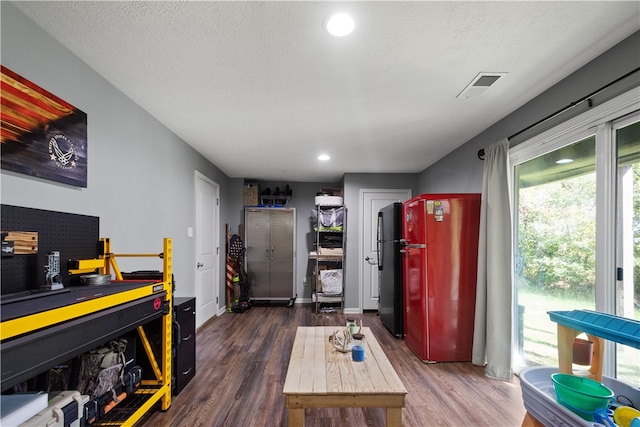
x=199, y=265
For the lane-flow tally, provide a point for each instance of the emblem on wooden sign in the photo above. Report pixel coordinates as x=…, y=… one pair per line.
x=42, y=135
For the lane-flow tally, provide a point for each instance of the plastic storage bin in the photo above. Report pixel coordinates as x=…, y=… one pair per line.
x=540, y=400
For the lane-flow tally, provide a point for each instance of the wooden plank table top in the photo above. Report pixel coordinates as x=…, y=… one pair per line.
x=319, y=376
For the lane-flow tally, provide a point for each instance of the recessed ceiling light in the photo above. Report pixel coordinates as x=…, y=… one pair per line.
x=323, y=157
x=564, y=161
x=340, y=25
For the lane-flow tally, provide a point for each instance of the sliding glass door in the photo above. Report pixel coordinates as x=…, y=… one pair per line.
x=576, y=204
x=627, y=296
x=555, y=244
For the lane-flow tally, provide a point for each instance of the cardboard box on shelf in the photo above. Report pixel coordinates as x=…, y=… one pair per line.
x=331, y=191
x=251, y=195
x=336, y=252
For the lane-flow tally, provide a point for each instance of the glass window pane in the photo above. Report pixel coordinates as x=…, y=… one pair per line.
x=555, y=245
x=628, y=238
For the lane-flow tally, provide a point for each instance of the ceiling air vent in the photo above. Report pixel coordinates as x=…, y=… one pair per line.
x=480, y=84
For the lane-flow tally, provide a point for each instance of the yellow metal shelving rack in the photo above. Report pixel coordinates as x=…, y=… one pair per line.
x=151, y=391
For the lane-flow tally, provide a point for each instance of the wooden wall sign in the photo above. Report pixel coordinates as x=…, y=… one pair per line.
x=23, y=242
x=41, y=135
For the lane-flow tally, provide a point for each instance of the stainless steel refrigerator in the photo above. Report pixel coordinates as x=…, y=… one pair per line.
x=390, y=303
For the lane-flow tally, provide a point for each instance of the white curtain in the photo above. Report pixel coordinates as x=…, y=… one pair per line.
x=494, y=304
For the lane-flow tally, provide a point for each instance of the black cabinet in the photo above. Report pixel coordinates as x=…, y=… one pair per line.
x=184, y=342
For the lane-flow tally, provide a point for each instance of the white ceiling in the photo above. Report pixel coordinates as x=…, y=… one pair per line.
x=261, y=90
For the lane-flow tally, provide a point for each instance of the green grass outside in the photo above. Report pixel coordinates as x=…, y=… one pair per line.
x=540, y=333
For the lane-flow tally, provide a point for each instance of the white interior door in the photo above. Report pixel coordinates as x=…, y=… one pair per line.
x=372, y=201
x=207, y=248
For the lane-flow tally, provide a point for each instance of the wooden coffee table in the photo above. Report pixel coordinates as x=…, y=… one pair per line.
x=320, y=376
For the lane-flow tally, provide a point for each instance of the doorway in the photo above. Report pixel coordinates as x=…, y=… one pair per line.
x=371, y=200
x=207, y=248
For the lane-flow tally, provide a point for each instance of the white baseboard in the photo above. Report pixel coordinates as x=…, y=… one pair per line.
x=356, y=310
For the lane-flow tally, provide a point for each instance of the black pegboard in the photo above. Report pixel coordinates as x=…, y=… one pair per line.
x=74, y=236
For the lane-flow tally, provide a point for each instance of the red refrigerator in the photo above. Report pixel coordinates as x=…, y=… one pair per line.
x=440, y=259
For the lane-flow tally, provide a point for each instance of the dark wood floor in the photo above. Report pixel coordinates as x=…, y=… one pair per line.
x=242, y=362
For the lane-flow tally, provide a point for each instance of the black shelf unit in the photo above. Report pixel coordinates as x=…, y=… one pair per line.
x=184, y=343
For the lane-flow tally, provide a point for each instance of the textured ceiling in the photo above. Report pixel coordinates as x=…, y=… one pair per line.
x=261, y=90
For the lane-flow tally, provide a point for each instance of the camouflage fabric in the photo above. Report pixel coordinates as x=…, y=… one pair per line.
x=101, y=369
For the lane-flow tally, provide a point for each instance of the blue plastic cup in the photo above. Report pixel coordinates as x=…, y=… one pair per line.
x=357, y=350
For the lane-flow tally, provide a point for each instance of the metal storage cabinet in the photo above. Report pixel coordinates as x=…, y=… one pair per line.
x=270, y=241
x=184, y=358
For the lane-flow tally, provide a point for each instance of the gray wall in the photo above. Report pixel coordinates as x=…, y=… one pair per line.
x=140, y=175
x=461, y=170
x=353, y=183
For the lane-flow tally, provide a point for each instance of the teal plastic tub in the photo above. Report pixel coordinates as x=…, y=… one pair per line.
x=540, y=401
x=581, y=395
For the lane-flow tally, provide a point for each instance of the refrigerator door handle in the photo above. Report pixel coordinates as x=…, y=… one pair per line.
x=380, y=237
x=416, y=245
